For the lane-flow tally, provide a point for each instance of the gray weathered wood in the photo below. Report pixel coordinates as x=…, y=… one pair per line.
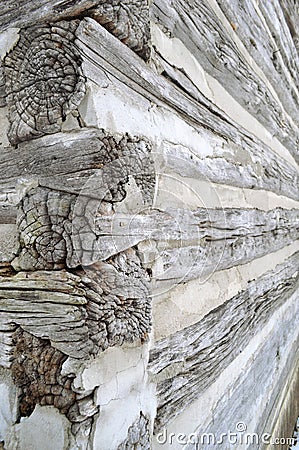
x=43, y=80
x=190, y=243
x=197, y=26
x=250, y=28
x=81, y=314
x=261, y=383
x=101, y=51
x=128, y=20
x=189, y=361
x=23, y=13
x=282, y=20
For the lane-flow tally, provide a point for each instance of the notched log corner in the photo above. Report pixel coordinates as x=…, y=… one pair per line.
x=57, y=228
x=128, y=21
x=44, y=80
x=36, y=371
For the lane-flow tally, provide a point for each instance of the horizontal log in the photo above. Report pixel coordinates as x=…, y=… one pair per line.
x=23, y=13
x=282, y=19
x=198, y=27
x=266, y=52
x=101, y=52
x=189, y=243
x=65, y=161
x=127, y=20
x=189, y=361
x=81, y=313
x=265, y=377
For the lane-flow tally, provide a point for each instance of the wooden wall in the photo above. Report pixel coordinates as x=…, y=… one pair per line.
x=149, y=223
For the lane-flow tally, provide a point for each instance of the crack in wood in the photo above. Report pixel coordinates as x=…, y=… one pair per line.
x=205, y=37
x=127, y=20
x=44, y=81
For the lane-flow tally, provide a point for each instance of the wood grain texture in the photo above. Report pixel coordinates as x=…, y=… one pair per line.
x=189, y=361
x=52, y=222
x=81, y=314
x=127, y=20
x=190, y=244
x=270, y=56
x=198, y=27
x=282, y=19
x=21, y=13
x=44, y=82
x=192, y=107
x=37, y=372
x=66, y=161
x=257, y=388
x=2, y=86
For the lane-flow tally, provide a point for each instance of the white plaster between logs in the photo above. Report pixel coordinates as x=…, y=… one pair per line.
x=191, y=301
x=122, y=391
x=174, y=51
x=45, y=429
x=201, y=411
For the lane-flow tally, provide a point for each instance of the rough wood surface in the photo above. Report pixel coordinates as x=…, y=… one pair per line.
x=187, y=362
x=271, y=57
x=138, y=435
x=53, y=222
x=105, y=305
x=282, y=19
x=66, y=161
x=44, y=81
x=198, y=27
x=59, y=230
x=22, y=13
x=36, y=370
x=256, y=390
x=194, y=243
x=2, y=86
x=127, y=20
x=192, y=106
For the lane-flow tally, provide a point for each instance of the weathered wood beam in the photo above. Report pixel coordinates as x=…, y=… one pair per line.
x=198, y=27
x=265, y=379
x=189, y=361
x=101, y=52
x=81, y=313
x=66, y=161
x=43, y=80
x=282, y=19
x=127, y=20
x=37, y=372
x=266, y=52
x=27, y=13
x=59, y=230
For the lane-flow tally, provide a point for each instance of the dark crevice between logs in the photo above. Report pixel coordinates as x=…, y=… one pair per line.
x=36, y=371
